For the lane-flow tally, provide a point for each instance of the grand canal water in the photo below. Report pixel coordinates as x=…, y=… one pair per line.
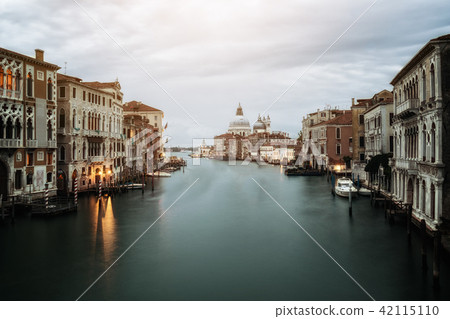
x=224, y=239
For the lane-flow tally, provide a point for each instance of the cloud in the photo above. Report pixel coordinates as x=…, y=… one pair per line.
x=211, y=55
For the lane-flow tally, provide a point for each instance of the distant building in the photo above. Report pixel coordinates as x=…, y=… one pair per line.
x=27, y=124
x=240, y=124
x=142, y=147
x=241, y=143
x=378, y=132
x=332, y=140
x=154, y=116
x=370, y=130
x=315, y=118
x=421, y=127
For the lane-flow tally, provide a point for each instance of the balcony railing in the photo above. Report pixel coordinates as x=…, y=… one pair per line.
x=408, y=105
x=410, y=165
x=51, y=144
x=32, y=143
x=96, y=159
x=10, y=142
x=61, y=130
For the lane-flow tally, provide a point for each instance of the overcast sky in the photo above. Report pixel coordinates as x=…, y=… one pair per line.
x=210, y=55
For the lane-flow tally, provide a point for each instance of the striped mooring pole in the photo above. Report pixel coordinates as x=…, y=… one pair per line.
x=100, y=188
x=75, y=191
x=46, y=196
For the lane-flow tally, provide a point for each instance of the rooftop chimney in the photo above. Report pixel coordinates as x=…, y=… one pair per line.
x=39, y=55
x=353, y=101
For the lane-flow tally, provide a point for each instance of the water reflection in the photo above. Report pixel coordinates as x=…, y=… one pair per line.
x=105, y=229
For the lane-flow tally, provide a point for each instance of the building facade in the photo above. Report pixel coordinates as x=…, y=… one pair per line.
x=154, y=117
x=422, y=133
x=378, y=131
x=315, y=118
x=90, y=139
x=27, y=124
x=332, y=140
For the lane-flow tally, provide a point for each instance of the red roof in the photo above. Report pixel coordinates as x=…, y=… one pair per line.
x=64, y=77
x=135, y=106
x=101, y=85
x=344, y=119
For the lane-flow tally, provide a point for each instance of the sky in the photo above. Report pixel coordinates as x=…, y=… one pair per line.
x=197, y=60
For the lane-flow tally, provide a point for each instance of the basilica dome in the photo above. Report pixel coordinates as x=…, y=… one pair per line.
x=239, y=125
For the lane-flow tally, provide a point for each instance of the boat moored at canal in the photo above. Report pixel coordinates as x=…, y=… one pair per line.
x=344, y=186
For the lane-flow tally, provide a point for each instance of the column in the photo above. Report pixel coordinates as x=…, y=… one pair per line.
x=438, y=142
x=438, y=202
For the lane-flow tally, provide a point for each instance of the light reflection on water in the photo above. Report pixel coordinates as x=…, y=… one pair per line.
x=224, y=239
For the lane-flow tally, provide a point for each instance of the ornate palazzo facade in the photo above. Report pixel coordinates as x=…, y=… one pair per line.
x=27, y=124
x=421, y=151
x=90, y=139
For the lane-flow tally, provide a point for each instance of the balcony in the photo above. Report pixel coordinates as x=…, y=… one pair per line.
x=10, y=143
x=408, y=165
x=76, y=130
x=61, y=130
x=407, y=108
x=32, y=143
x=51, y=144
x=96, y=159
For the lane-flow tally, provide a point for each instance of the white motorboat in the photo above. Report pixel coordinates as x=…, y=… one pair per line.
x=134, y=186
x=364, y=191
x=160, y=174
x=344, y=186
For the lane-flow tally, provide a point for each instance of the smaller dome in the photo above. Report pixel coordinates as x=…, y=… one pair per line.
x=259, y=125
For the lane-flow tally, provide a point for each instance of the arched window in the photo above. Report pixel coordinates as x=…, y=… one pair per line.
x=424, y=143
x=84, y=120
x=74, y=119
x=417, y=194
x=9, y=129
x=49, y=177
x=84, y=150
x=74, y=151
x=433, y=143
x=1, y=78
x=49, y=131
x=62, y=118
x=49, y=89
x=2, y=127
x=62, y=153
x=17, y=81
x=432, y=79
x=29, y=84
x=29, y=129
x=18, y=179
x=18, y=129
x=423, y=206
x=103, y=123
x=424, y=86
x=432, y=201
x=9, y=80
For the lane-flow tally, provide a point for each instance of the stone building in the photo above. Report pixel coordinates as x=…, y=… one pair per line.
x=142, y=145
x=332, y=140
x=27, y=124
x=240, y=124
x=90, y=139
x=378, y=132
x=153, y=115
x=422, y=133
x=315, y=118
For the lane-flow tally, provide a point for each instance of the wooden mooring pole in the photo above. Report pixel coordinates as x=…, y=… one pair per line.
x=423, y=232
x=350, y=202
x=436, y=258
